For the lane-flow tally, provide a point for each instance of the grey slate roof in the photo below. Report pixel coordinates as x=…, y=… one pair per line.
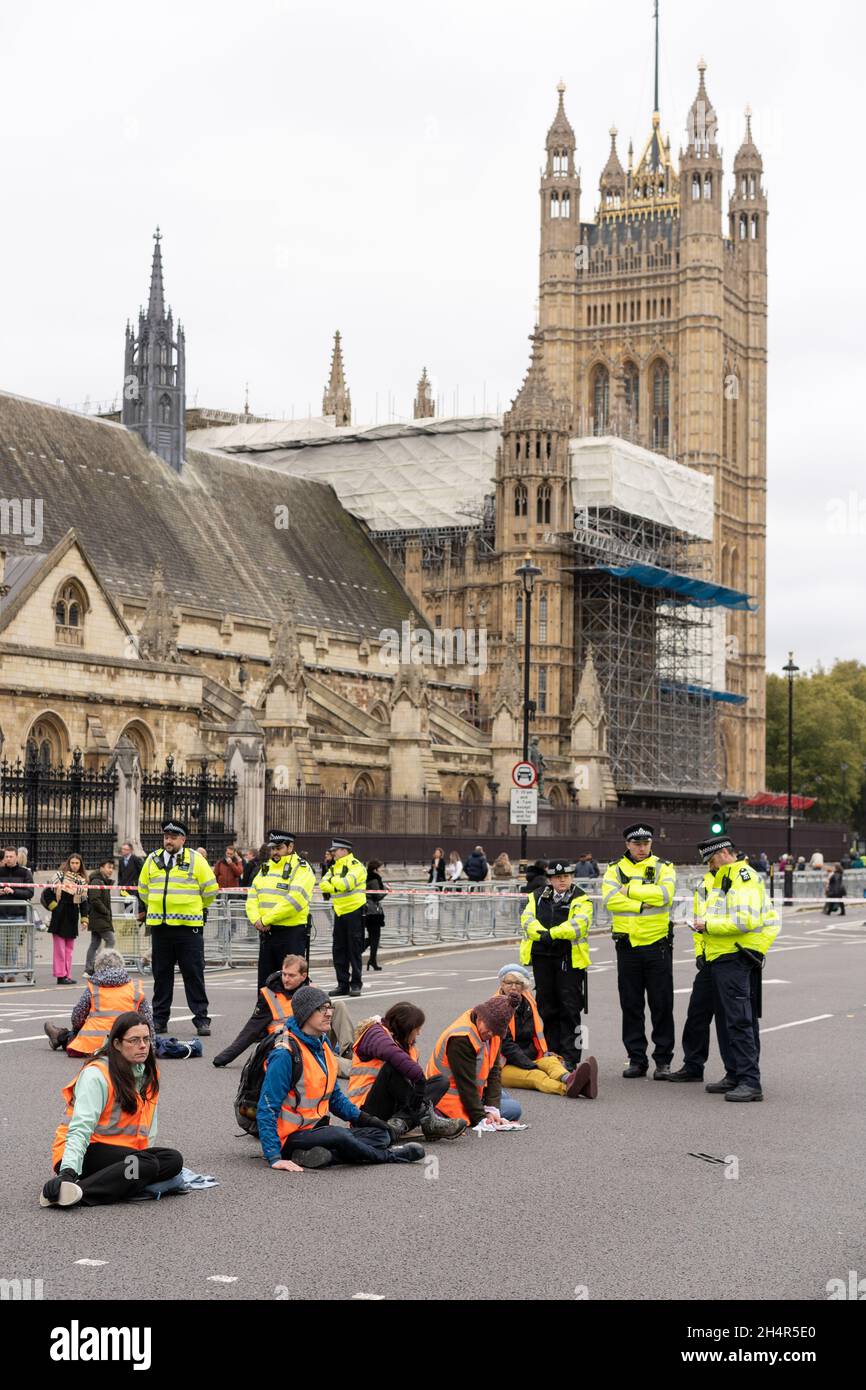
x=213, y=526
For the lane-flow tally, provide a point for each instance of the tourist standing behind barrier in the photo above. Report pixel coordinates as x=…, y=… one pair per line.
x=278, y=903
x=128, y=870
x=110, y=992
x=229, y=870
x=66, y=900
x=252, y=863
x=176, y=887
x=13, y=896
x=374, y=918
x=345, y=884
x=436, y=872
x=502, y=866
x=454, y=867
x=476, y=867
x=835, y=889
x=100, y=919
x=104, y=1149
x=274, y=1009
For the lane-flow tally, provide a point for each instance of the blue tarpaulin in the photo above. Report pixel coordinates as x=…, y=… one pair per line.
x=696, y=591
x=725, y=696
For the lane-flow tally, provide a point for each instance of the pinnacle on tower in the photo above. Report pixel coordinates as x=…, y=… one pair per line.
x=535, y=403
x=156, y=301
x=154, y=372
x=560, y=132
x=424, y=407
x=337, y=399
x=702, y=124
x=748, y=156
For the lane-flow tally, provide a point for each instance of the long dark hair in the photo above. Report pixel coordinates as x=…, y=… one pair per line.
x=65, y=869
x=120, y=1071
x=402, y=1019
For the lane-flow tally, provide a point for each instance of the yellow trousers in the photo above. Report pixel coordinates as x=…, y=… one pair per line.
x=544, y=1076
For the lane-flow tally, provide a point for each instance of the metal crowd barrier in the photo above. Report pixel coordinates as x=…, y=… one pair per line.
x=17, y=949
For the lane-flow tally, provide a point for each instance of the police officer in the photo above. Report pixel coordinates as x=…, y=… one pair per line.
x=175, y=888
x=739, y=926
x=638, y=891
x=345, y=883
x=701, y=1011
x=556, y=922
x=278, y=904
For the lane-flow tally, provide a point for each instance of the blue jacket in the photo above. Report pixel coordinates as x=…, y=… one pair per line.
x=277, y=1084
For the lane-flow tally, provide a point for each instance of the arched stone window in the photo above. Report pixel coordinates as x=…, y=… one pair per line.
x=542, y=618
x=631, y=376
x=600, y=396
x=518, y=619
x=660, y=379
x=49, y=740
x=554, y=204
x=565, y=204
x=145, y=745
x=70, y=607
x=696, y=187
x=542, y=504
x=708, y=187
x=520, y=500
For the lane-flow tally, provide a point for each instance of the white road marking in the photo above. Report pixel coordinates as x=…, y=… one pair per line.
x=91, y=1262
x=383, y=993
x=222, y=1278
x=378, y=1297
x=476, y=979
x=796, y=1023
x=34, y=1037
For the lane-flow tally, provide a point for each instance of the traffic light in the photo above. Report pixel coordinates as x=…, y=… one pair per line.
x=717, y=821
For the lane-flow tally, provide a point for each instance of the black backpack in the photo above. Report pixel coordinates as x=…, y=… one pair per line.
x=253, y=1075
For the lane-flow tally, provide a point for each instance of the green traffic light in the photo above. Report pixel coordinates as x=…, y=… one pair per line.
x=716, y=827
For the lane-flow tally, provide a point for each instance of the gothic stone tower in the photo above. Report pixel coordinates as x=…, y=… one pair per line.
x=337, y=400
x=154, y=374
x=653, y=324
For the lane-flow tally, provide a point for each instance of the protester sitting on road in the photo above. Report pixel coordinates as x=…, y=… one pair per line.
x=274, y=1009
x=527, y=1062
x=104, y=1148
x=467, y=1055
x=16, y=889
x=300, y=1089
x=387, y=1080
x=66, y=900
x=100, y=920
x=110, y=992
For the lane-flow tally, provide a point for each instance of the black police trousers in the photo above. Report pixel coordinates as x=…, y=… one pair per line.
x=735, y=983
x=646, y=970
x=183, y=946
x=696, y=1031
x=276, y=944
x=347, y=948
x=559, y=993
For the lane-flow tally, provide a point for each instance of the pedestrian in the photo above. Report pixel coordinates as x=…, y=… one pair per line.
x=800, y=866
x=387, y=1081
x=638, y=891
x=278, y=903
x=100, y=920
x=556, y=922
x=110, y=992
x=527, y=1061
x=22, y=856
x=741, y=925
x=16, y=890
x=586, y=867
x=66, y=900
x=502, y=866
x=252, y=864
x=229, y=870
x=201, y=850
x=436, y=872
x=476, y=867
x=104, y=1148
x=274, y=1009
x=835, y=889
x=128, y=871
x=467, y=1054
x=374, y=917
x=345, y=884
x=454, y=867
x=176, y=887
x=762, y=863
x=300, y=1091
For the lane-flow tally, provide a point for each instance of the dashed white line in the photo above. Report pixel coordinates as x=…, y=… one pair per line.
x=795, y=1024
x=95, y=1263
x=222, y=1278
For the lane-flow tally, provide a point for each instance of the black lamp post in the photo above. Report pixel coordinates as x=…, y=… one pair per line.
x=527, y=574
x=790, y=671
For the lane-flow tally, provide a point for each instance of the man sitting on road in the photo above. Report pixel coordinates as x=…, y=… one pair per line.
x=467, y=1055
x=526, y=1061
x=274, y=1009
x=300, y=1090
x=110, y=992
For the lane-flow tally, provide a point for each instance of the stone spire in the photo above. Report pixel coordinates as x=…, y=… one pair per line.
x=535, y=404
x=424, y=407
x=154, y=374
x=702, y=124
x=612, y=179
x=337, y=400
x=157, y=637
x=561, y=133
x=748, y=156
x=156, y=302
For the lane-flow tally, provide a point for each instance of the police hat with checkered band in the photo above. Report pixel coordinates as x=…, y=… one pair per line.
x=707, y=848
x=174, y=827
x=641, y=830
x=558, y=866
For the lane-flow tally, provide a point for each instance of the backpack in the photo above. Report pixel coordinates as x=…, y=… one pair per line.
x=252, y=1079
x=177, y=1047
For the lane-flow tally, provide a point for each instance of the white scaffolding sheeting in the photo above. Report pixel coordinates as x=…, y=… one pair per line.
x=611, y=472
x=434, y=473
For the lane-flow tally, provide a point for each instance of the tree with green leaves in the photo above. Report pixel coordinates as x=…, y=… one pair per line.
x=829, y=740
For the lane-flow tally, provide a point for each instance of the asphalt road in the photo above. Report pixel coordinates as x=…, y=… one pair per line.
x=596, y=1199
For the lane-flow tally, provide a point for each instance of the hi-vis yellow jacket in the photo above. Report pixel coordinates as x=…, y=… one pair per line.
x=280, y=893
x=739, y=912
x=700, y=911
x=345, y=884
x=177, y=896
x=641, y=909
x=539, y=916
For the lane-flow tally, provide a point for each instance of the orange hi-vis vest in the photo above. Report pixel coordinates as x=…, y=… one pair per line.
x=538, y=1040
x=114, y=1126
x=107, y=1003
x=363, y=1074
x=280, y=1007
x=486, y=1054
x=309, y=1099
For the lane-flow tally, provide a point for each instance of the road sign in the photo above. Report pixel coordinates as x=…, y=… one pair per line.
x=524, y=805
x=524, y=774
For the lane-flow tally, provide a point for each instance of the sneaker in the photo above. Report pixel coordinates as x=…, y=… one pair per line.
x=743, y=1092
x=70, y=1194
x=718, y=1088
x=312, y=1158
x=405, y=1153
x=203, y=1030
x=636, y=1069
x=435, y=1126
x=684, y=1075
x=53, y=1033
x=662, y=1072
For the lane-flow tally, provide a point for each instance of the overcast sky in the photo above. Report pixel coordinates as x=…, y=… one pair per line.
x=373, y=165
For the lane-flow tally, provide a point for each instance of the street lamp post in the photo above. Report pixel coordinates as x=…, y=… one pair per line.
x=527, y=574
x=790, y=671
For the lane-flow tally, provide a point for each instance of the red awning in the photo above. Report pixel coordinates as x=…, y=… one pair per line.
x=778, y=800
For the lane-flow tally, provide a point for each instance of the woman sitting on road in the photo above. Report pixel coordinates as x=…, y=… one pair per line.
x=387, y=1081
x=110, y=992
x=104, y=1148
x=527, y=1062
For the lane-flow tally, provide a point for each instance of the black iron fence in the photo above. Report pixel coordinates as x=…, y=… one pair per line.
x=204, y=802
x=53, y=810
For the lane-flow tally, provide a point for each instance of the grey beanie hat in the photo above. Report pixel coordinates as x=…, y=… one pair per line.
x=305, y=1001
x=515, y=970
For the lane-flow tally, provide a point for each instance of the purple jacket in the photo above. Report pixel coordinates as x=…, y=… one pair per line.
x=378, y=1045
